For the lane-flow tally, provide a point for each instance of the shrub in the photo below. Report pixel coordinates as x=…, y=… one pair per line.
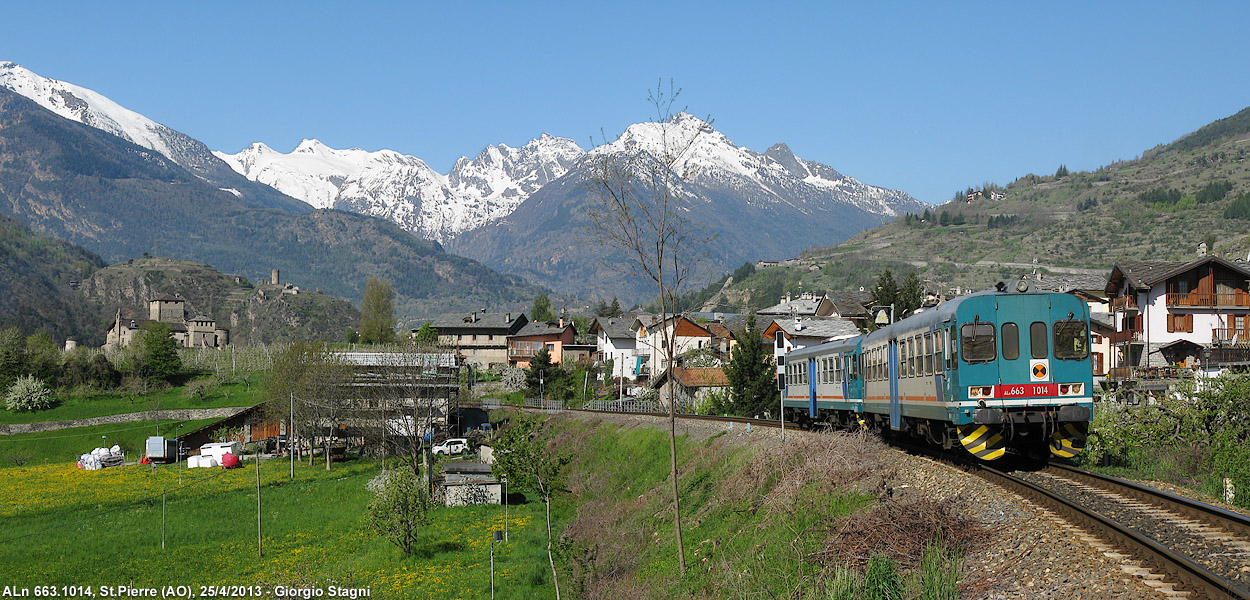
x=400, y=506
x=28, y=393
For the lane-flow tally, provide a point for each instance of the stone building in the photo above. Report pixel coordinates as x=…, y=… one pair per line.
x=197, y=332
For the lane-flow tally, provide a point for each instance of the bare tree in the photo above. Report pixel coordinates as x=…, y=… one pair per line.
x=638, y=208
x=315, y=384
x=412, y=389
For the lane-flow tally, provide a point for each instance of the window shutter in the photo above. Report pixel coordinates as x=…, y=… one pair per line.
x=1189, y=323
x=1171, y=323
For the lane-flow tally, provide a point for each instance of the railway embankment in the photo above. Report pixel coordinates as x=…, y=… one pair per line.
x=762, y=488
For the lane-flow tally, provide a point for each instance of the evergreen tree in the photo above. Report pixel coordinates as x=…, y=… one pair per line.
x=377, y=312
x=885, y=292
x=750, y=371
x=542, y=374
x=615, y=308
x=158, y=352
x=944, y=219
x=1061, y=172
x=911, y=295
x=602, y=309
x=426, y=335
x=12, y=356
x=928, y=216
x=541, y=312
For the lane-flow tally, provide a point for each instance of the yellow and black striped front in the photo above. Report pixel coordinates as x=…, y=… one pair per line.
x=983, y=441
x=1069, y=439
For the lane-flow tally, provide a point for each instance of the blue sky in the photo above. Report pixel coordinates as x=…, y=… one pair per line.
x=925, y=97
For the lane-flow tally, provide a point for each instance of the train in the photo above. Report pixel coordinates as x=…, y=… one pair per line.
x=1002, y=371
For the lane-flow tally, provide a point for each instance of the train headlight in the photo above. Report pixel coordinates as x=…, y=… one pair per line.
x=974, y=392
x=1022, y=286
x=1076, y=389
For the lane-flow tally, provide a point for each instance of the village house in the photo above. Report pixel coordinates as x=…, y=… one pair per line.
x=1168, y=314
x=196, y=332
x=552, y=335
x=649, y=334
x=691, y=387
x=479, y=338
x=615, y=341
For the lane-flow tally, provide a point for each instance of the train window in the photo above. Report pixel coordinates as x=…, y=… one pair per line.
x=1071, y=340
x=954, y=346
x=977, y=340
x=913, y=356
x=1011, y=341
x=939, y=349
x=918, y=351
x=1037, y=339
x=928, y=354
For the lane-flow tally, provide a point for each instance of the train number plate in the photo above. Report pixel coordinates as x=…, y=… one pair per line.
x=1026, y=390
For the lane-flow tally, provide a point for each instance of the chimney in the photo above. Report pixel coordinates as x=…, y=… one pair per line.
x=508, y=318
x=561, y=321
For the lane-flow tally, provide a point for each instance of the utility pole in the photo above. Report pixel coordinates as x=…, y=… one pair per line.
x=290, y=437
x=259, y=552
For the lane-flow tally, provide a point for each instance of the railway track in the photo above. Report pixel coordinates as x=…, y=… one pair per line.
x=1214, y=540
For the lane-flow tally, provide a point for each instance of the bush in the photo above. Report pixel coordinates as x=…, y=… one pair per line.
x=29, y=393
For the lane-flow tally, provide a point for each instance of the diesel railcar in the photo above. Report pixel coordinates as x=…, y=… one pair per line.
x=1006, y=369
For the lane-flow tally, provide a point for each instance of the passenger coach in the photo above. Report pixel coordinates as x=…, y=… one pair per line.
x=991, y=371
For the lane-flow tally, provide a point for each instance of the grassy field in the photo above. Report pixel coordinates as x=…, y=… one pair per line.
x=214, y=395
x=61, y=445
x=65, y=526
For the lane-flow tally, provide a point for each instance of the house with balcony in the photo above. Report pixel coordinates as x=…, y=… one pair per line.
x=536, y=335
x=1167, y=314
x=478, y=338
x=649, y=333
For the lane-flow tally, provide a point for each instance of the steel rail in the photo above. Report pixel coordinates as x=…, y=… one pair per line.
x=1234, y=523
x=1188, y=574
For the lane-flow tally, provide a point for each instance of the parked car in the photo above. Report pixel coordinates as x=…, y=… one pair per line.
x=451, y=446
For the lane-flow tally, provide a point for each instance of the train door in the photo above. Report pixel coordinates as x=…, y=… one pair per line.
x=895, y=405
x=844, y=363
x=1022, y=341
x=939, y=369
x=812, y=373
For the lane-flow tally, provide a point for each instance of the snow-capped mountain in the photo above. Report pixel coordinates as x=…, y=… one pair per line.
x=404, y=189
x=751, y=205
x=91, y=108
x=706, y=158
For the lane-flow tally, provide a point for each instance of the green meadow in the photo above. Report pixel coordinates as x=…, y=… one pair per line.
x=65, y=526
